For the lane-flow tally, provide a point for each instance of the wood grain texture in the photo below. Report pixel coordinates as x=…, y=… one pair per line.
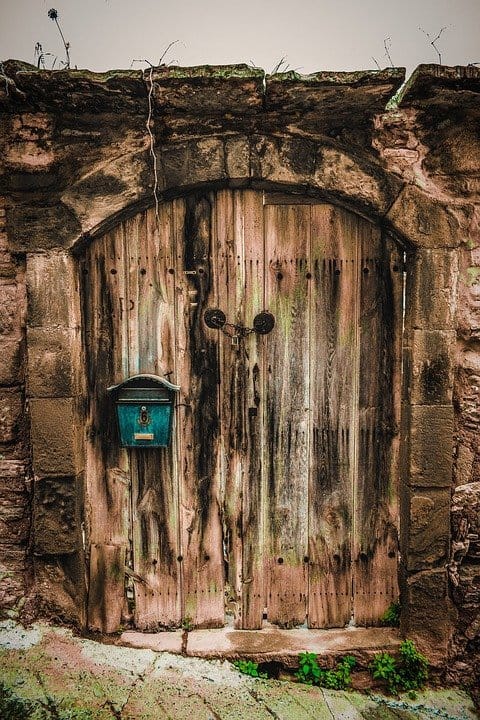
x=375, y=542
x=286, y=454
x=198, y=375
x=279, y=488
x=155, y=516
x=333, y=355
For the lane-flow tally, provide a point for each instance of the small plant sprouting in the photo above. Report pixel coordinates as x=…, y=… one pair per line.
x=187, y=623
x=250, y=668
x=391, y=616
x=408, y=674
x=310, y=673
x=53, y=15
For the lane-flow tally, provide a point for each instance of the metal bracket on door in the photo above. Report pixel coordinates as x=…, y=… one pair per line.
x=216, y=319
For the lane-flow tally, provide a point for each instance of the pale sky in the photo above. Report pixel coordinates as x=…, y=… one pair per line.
x=310, y=34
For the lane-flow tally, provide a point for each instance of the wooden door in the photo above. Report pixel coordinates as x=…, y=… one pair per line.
x=277, y=498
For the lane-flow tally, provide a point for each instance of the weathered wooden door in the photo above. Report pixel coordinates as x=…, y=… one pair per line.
x=277, y=499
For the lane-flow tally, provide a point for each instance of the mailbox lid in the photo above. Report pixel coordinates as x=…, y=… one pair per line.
x=144, y=395
x=155, y=432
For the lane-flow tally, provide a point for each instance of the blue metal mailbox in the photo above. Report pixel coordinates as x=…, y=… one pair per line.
x=144, y=406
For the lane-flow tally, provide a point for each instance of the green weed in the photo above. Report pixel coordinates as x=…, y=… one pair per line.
x=247, y=667
x=310, y=673
x=408, y=674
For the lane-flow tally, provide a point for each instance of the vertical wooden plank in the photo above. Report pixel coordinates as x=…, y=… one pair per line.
x=375, y=547
x=154, y=484
x=333, y=401
x=198, y=375
x=230, y=292
x=254, y=495
x=106, y=464
x=287, y=237
x=106, y=595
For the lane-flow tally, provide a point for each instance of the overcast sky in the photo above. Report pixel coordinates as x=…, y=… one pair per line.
x=310, y=34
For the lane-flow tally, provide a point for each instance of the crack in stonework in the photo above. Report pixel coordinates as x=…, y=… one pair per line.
x=261, y=702
x=325, y=699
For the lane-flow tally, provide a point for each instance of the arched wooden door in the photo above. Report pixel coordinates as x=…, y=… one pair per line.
x=277, y=500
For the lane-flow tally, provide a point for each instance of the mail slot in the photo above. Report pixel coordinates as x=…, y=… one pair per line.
x=144, y=407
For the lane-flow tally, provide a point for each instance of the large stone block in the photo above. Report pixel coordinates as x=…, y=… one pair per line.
x=430, y=292
x=42, y=226
x=430, y=615
x=283, y=160
x=432, y=367
x=54, y=438
x=11, y=412
x=362, y=184
x=429, y=528
x=194, y=162
x=52, y=289
x=424, y=221
x=50, y=358
x=431, y=446
x=56, y=525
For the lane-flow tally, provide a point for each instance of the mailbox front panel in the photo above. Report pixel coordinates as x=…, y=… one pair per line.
x=144, y=424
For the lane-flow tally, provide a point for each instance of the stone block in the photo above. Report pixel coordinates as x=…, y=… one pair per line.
x=423, y=221
x=363, y=184
x=237, y=157
x=11, y=361
x=430, y=615
x=432, y=367
x=194, y=162
x=11, y=411
x=52, y=285
x=283, y=160
x=430, y=292
x=50, y=358
x=41, y=227
x=431, y=446
x=429, y=528
x=56, y=526
x=53, y=436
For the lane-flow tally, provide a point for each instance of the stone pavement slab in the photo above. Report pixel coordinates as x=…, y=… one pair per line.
x=99, y=681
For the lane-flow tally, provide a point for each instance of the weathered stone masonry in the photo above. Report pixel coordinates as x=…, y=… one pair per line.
x=76, y=157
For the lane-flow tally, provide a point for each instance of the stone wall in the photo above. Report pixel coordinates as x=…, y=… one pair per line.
x=82, y=151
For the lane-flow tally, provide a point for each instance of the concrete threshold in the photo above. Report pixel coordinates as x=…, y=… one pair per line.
x=270, y=644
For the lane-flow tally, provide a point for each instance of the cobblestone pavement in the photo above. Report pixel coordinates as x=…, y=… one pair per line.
x=87, y=679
